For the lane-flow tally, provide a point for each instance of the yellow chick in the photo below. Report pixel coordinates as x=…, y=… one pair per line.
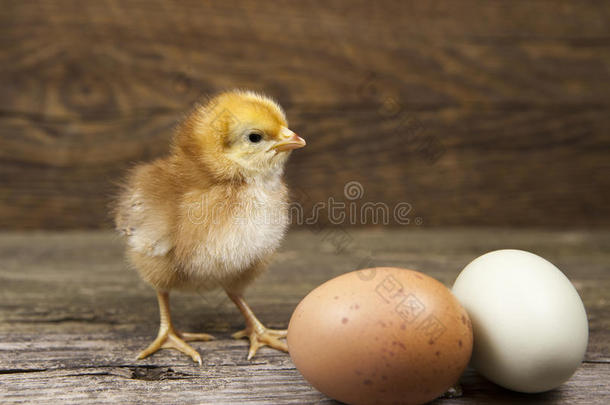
x=211, y=213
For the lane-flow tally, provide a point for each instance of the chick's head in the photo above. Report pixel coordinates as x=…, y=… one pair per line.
x=238, y=134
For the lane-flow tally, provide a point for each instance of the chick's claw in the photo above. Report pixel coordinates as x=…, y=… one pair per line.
x=192, y=337
x=262, y=336
x=170, y=339
x=280, y=333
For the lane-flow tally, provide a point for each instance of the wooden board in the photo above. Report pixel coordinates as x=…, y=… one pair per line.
x=477, y=113
x=73, y=317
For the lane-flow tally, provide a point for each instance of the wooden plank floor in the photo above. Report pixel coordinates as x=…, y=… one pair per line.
x=73, y=317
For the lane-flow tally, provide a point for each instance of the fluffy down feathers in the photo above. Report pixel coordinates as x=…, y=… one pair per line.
x=212, y=212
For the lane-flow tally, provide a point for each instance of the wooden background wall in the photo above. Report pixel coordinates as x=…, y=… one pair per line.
x=474, y=112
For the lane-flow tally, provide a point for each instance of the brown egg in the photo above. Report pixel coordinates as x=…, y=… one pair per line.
x=381, y=336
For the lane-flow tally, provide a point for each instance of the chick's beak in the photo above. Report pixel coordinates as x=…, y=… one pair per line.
x=288, y=141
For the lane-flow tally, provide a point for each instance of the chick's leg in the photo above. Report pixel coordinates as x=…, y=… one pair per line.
x=258, y=334
x=170, y=338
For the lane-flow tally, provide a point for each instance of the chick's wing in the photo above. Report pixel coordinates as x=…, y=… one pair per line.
x=143, y=215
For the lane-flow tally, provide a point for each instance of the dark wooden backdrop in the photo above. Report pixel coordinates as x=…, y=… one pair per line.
x=473, y=112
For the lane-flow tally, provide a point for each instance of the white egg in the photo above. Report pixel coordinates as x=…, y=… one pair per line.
x=530, y=325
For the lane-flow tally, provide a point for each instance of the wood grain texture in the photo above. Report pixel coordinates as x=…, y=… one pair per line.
x=475, y=113
x=73, y=317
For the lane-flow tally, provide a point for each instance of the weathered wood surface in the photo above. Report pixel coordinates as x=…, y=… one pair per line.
x=73, y=317
x=474, y=112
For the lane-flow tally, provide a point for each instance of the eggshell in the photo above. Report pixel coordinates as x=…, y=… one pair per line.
x=380, y=336
x=530, y=325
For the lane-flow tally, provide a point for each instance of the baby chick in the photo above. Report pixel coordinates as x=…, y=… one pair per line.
x=211, y=213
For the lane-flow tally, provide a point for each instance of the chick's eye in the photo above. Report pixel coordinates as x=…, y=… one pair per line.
x=254, y=137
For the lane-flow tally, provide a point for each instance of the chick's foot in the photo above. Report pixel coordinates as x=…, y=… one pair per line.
x=169, y=338
x=260, y=336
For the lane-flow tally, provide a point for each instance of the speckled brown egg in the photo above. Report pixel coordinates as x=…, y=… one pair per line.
x=381, y=336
